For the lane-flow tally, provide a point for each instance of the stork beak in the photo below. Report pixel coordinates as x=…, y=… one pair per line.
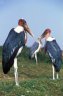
x=26, y=28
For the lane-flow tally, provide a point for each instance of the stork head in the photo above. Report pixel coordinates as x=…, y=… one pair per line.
x=22, y=22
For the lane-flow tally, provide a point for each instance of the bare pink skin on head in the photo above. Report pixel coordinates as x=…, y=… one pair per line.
x=47, y=35
x=23, y=23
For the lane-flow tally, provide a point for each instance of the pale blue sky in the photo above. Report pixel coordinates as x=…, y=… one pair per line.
x=39, y=14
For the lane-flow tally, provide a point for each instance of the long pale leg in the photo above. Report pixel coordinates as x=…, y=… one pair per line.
x=37, y=52
x=36, y=57
x=16, y=67
x=15, y=72
x=53, y=72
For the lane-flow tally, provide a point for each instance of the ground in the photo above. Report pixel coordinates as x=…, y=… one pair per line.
x=34, y=80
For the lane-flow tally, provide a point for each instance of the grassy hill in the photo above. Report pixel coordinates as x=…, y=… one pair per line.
x=35, y=80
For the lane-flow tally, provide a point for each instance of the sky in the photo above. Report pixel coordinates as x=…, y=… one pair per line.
x=39, y=14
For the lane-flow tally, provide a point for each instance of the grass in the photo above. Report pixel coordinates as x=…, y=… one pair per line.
x=34, y=80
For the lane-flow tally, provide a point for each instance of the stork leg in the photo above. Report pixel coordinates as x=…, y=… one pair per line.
x=53, y=72
x=16, y=67
x=16, y=72
x=36, y=58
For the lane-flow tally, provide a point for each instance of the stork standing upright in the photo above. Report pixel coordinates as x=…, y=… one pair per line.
x=54, y=51
x=13, y=46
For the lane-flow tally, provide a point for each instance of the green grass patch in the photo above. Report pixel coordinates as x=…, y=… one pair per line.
x=34, y=80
